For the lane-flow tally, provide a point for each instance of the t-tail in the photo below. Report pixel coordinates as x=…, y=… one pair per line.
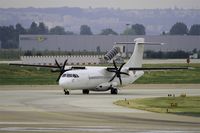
x=137, y=57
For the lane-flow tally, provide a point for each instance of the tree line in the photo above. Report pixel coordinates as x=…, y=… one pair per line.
x=9, y=35
x=179, y=54
x=181, y=29
x=167, y=55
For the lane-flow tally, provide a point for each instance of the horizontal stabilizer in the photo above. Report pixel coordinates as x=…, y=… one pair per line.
x=144, y=43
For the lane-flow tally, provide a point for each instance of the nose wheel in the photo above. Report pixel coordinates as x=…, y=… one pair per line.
x=66, y=92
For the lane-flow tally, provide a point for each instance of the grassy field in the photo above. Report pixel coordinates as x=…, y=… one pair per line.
x=171, y=77
x=176, y=105
x=15, y=75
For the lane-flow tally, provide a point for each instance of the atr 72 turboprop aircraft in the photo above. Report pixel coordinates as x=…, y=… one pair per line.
x=96, y=78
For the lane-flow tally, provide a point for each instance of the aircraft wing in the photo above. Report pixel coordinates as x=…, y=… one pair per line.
x=34, y=65
x=157, y=68
x=151, y=68
x=45, y=66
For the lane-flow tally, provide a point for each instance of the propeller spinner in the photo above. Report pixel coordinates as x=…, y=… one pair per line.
x=117, y=72
x=62, y=68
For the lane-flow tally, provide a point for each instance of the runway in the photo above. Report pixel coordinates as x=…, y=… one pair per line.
x=46, y=109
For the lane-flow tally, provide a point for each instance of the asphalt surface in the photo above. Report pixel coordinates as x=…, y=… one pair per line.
x=36, y=109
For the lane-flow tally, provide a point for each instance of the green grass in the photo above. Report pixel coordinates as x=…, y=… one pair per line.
x=173, y=77
x=185, y=105
x=15, y=75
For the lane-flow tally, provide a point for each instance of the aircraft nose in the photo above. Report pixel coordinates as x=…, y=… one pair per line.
x=63, y=82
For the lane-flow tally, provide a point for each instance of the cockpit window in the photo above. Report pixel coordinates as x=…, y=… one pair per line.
x=69, y=75
x=64, y=75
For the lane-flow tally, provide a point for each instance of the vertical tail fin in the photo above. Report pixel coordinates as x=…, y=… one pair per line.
x=137, y=57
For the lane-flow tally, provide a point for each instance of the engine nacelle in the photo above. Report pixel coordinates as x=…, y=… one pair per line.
x=105, y=86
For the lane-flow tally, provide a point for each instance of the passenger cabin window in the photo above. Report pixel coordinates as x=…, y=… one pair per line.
x=75, y=76
x=70, y=75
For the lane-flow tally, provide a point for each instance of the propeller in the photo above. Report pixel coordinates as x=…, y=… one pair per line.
x=62, y=68
x=117, y=72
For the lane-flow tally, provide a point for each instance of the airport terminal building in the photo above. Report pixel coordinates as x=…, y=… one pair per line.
x=105, y=43
x=95, y=43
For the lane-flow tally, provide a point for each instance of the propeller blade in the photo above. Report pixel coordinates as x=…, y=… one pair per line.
x=120, y=80
x=124, y=73
x=117, y=72
x=58, y=77
x=112, y=78
x=115, y=65
x=57, y=64
x=121, y=66
x=65, y=63
x=62, y=68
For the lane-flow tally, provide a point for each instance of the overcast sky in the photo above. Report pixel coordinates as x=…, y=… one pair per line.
x=123, y=4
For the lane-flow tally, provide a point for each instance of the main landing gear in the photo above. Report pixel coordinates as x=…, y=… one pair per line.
x=114, y=90
x=86, y=91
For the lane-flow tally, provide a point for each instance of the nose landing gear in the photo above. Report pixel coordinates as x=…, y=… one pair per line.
x=66, y=92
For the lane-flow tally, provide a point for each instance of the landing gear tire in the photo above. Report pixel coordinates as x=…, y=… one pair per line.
x=114, y=91
x=86, y=91
x=66, y=92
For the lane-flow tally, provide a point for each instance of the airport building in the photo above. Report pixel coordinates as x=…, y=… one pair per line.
x=104, y=43
x=95, y=43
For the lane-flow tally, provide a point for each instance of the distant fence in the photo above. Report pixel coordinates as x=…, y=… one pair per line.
x=72, y=60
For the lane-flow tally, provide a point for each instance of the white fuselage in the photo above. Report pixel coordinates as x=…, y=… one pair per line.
x=100, y=79
x=95, y=78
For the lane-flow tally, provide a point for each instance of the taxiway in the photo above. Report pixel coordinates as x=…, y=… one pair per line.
x=46, y=109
